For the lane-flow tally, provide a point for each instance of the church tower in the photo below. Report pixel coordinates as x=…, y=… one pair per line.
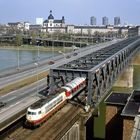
x=50, y=20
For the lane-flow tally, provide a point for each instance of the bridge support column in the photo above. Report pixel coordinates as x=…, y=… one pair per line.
x=111, y=111
x=52, y=84
x=82, y=128
x=114, y=122
x=128, y=125
x=86, y=125
x=125, y=79
x=136, y=59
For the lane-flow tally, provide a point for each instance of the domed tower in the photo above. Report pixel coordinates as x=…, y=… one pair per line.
x=63, y=21
x=50, y=20
x=50, y=17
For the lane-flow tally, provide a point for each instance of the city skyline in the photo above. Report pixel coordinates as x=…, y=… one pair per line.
x=75, y=12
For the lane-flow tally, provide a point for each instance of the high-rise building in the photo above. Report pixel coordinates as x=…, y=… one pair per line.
x=117, y=21
x=93, y=20
x=105, y=21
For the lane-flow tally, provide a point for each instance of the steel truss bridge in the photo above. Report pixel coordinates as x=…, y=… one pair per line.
x=101, y=69
x=42, y=41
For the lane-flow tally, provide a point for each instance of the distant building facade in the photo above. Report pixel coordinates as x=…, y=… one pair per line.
x=91, y=30
x=35, y=28
x=16, y=25
x=39, y=21
x=52, y=24
x=19, y=25
x=105, y=21
x=93, y=20
x=134, y=31
x=117, y=21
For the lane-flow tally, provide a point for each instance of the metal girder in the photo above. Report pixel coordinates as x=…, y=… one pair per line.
x=101, y=68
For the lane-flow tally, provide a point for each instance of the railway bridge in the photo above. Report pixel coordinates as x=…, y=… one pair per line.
x=101, y=69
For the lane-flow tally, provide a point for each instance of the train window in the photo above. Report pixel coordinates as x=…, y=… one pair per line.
x=54, y=103
x=31, y=113
x=60, y=99
x=39, y=112
x=47, y=109
x=50, y=106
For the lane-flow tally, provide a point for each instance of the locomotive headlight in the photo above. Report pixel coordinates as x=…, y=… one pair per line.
x=29, y=117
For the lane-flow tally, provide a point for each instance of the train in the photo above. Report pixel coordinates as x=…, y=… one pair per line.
x=40, y=111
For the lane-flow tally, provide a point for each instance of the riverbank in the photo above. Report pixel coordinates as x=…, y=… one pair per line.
x=41, y=48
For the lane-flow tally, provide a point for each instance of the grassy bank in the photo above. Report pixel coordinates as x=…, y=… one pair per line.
x=41, y=48
x=22, y=83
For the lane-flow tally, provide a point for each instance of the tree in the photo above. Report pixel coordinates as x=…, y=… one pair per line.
x=18, y=40
x=33, y=36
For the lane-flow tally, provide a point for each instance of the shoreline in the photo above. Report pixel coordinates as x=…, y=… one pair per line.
x=34, y=48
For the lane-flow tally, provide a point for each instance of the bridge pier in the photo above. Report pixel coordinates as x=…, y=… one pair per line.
x=128, y=125
x=117, y=125
x=86, y=125
x=136, y=59
x=113, y=123
x=111, y=111
x=72, y=133
x=83, y=129
x=126, y=78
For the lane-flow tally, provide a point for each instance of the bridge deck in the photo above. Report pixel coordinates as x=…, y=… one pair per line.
x=91, y=60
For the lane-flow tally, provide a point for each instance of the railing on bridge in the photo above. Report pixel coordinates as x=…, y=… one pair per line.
x=101, y=68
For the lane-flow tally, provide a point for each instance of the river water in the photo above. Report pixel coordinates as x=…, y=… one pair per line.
x=9, y=58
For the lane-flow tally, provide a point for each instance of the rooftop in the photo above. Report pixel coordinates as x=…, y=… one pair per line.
x=117, y=98
x=136, y=129
x=50, y=16
x=131, y=109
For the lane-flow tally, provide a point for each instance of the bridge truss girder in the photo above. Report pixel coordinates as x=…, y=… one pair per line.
x=101, y=77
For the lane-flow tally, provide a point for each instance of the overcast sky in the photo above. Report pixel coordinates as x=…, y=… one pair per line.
x=75, y=11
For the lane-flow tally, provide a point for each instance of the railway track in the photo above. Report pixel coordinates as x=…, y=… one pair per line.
x=57, y=129
x=9, y=131
x=49, y=130
x=19, y=134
